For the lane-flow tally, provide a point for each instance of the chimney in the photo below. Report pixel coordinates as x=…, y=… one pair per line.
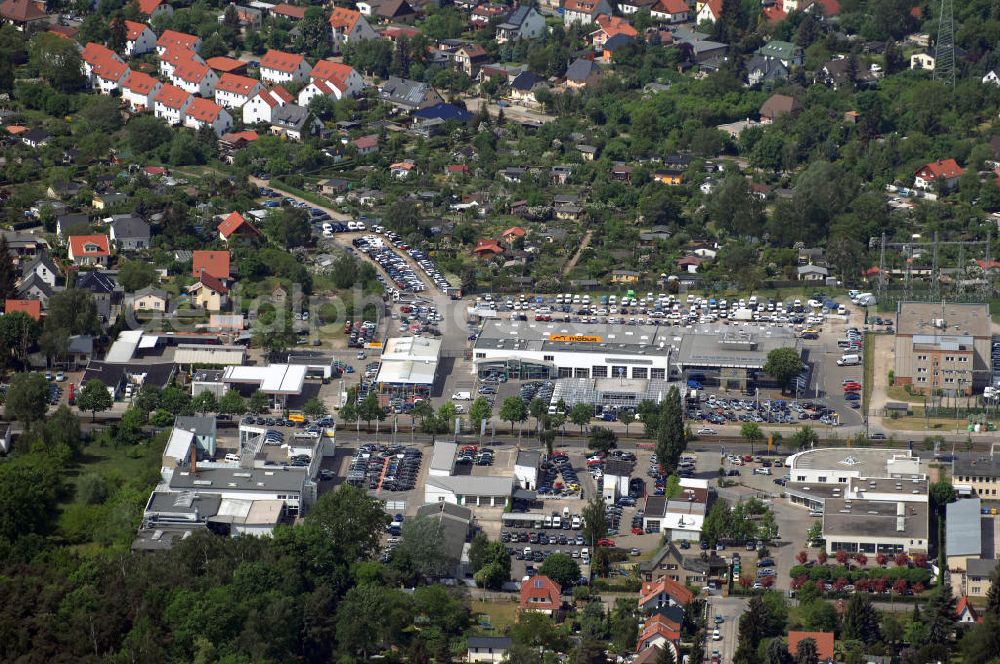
x=194, y=456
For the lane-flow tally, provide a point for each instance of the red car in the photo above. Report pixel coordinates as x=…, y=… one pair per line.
x=852, y=386
x=605, y=542
x=747, y=459
x=637, y=531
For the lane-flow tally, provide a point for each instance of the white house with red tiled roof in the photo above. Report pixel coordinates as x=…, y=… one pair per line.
x=709, y=11
x=261, y=106
x=585, y=12
x=206, y=113
x=670, y=11
x=234, y=90
x=348, y=26
x=103, y=68
x=946, y=171
x=172, y=57
x=172, y=39
x=195, y=77
x=281, y=67
x=139, y=39
x=236, y=225
x=89, y=249
x=153, y=8
x=332, y=79
x=170, y=104
x=139, y=90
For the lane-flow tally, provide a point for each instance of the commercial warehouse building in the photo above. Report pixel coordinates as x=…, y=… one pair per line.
x=542, y=350
x=407, y=369
x=944, y=347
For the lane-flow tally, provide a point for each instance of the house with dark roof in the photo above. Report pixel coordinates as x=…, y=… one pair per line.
x=524, y=22
x=43, y=267
x=524, y=85
x=837, y=74
x=408, y=95
x=105, y=289
x=388, y=11
x=779, y=105
x=789, y=54
x=582, y=72
x=585, y=12
x=209, y=293
x=762, y=69
x=129, y=232
x=487, y=648
x=294, y=122
x=33, y=288
x=22, y=13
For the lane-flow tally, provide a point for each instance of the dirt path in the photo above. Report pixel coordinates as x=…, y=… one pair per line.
x=339, y=216
x=579, y=252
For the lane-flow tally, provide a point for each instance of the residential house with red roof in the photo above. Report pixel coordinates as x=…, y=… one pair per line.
x=261, y=106
x=223, y=65
x=171, y=39
x=470, y=58
x=291, y=12
x=513, y=233
x=174, y=56
x=139, y=90
x=195, y=77
x=281, y=67
x=824, y=644
x=348, y=26
x=608, y=27
x=332, y=79
x=22, y=13
x=171, y=103
x=659, y=630
x=235, y=225
x=233, y=90
x=670, y=11
x=89, y=250
x=487, y=249
x=965, y=612
x=708, y=12
x=153, y=8
x=31, y=307
x=211, y=262
x=366, y=145
x=663, y=592
x=541, y=595
x=104, y=69
x=206, y=113
x=943, y=172
x=650, y=655
x=585, y=12
x=209, y=293
x=139, y=39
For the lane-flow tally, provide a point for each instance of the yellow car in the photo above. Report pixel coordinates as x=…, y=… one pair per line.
x=810, y=331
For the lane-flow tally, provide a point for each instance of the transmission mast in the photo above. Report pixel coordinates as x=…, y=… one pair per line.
x=944, y=49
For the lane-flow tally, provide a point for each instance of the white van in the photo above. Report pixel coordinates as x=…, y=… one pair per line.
x=233, y=458
x=849, y=361
x=461, y=396
x=565, y=513
x=556, y=522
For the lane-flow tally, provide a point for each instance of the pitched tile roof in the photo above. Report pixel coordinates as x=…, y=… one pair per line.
x=214, y=263
x=677, y=592
x=191, y=70
x=291, y=11
x=234, y=222
x=21, y=11
x=824, y=643
x=210, y=282
x=614, y=25
x=134, y=30
x=89, y=245
x=540, y=593
x=281, y=61
x=236, y=84
x=173, y=38
x=172, y=96
x=335, y=72
x=149, y=6
x=942, y=168
x=31, y=307
x=715, y=6
x=344, y=19
x=94, y=53
x=203, y=110
x=224, y=64
x=671, y=7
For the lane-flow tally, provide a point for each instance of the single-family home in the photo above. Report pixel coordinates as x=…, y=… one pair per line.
x=208, y=293
x=139, y=91
x=408, y=95
x=291, y=12
x=487, y=648
x=778, y=105
x=235, y=225
x=965, y=612
x=523, y=87
x=812, y=272
x=944, y=171
x=129, y=232
x=348, y=26
x=761, y=69
x=293, y=122
x=661, y=630
x=281, y=67
x=608, y=27
x=153, y=8
x=331, y=79
x=104, y=69
x=35, y=137
x=224, y=65
x=174, y=56
x=261, y=106
x=469, y=58
x=171, y=103
x=366, y=145
x=206, y=113
x=89, y=250
x=540, y=594
x=388, y=11
x=992, y=78
x=31, y=308
x=663, y=592
x=171, y=39
x=213, y=263
x=789, y=54
x=689, y=264
x=670, y=11
x=487, y=249
x=625, y=277
x=41, y=267
x=524, y=22
x=33, y=288
x=585, y=12
x=149, y=299
x=401, y=170
x=139, y=39
x=22, y=13
x=196, y=77
x=582, y=72
x=234, y=90
x=709, y=11
x=627, y=7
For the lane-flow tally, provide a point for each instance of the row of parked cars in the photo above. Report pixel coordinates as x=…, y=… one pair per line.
x=549, y=482
x=393, y=467
x=402, y=275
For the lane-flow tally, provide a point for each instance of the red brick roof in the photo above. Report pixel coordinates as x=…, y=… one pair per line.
x=224, y=64
x=94, y=53
x=366, y=142
x=671, y=7
x=942, y=168
x=172, y=96
x=329, y=70
x=582, y=6
x=139, y=83
x=488, y=247
x=614, y=25
x=236, y=84
x=540, y=593
x=673, y=589
x=64, y=31
x=344, y=19
x=212, y=283
x=89, y=245
x=514, y=231
x=134, y=29
x=235, y=222
x=191, y=70
x=214, y=263
x=173, y=38
x=824, y=643
x=281, y=61
x=203, y=110
x=31, y=307
x=21, y=11
x=147, y=7
x=291, y=11
x=715, y=6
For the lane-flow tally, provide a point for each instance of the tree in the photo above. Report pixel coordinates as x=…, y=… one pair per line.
x=19, y=333
x=734, y=208
x=27, y=398
x=94, y=397
x=548, y=438
x=538, y=409
x=288, y=227
x=232, y=403
x=861, y=620
x=982, y=642
x=370, y=617
x=602, y=439
x=421, y=553
x=146, y=133
x=777, y=653
x=136, y=275
x=8, y=273
x=258, y=403
x=205, y=403
x=314, y=408
x=783, y=364
x=561, y=568
x=58, y=61
x=940, y=615
x=369, y=409
x=513, y=410
x=751, y=433
x=118, y=35
x=806, y=653
x=595, y=521
x=942, y=492
x=993, y=595
x=626, y=417
x=580, y=414
x=670, y=436
x=353, y=520
x=804, y=438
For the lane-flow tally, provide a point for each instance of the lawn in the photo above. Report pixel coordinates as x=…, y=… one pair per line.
x=899, y=393
x=117, y=465
x=500, y=614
